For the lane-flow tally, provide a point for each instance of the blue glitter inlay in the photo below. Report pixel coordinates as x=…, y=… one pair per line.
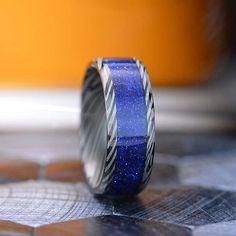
x=131, y=126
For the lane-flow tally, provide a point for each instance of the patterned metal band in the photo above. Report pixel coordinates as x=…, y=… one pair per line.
x=117, y=134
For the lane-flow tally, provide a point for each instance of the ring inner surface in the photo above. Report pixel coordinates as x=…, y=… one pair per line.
x=93, y=127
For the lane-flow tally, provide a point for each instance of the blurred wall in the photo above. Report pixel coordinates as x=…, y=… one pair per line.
x=48, y=43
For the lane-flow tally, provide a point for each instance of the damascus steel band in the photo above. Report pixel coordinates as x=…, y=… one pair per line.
x=117, y=133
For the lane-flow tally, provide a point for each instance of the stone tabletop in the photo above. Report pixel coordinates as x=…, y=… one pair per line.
x=192, y=190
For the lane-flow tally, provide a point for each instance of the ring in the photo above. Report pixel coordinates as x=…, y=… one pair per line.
x=117, y=131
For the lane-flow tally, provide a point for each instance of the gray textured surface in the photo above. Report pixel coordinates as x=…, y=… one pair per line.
x=192, y=192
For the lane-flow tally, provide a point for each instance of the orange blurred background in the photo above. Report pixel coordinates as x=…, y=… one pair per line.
x=48, y=43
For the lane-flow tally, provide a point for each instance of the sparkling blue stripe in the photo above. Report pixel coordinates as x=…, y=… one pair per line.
x=131, y=126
